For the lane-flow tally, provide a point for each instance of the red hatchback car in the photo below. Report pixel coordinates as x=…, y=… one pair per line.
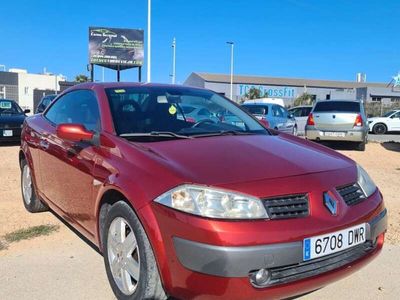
x=197, y=209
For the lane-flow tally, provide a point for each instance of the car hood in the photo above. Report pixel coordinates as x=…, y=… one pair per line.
x=230, y=159
x=9, y=118
x=374, y=119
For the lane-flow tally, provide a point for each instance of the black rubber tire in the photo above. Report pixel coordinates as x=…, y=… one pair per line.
x=379, y=128
x=361, y=146
x=35, y=205
x=149, y=286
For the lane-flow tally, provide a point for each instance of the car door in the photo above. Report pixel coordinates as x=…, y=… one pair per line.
x=67, y=167
x=395, y=122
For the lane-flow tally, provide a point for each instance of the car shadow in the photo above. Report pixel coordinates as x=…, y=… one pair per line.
x=10, y=144
x=391, y=146
x=339, y=145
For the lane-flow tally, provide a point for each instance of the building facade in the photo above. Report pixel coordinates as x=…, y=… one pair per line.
x=24, y=87
x=289, y=89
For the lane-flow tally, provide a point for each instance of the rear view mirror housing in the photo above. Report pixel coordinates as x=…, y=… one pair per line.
x=75, y=133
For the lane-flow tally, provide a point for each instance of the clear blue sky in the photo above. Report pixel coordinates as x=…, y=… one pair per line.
x=288, y=38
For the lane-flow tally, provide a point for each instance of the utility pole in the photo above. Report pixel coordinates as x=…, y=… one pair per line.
x=231, y=88
x=148, y=40
x=174, y=61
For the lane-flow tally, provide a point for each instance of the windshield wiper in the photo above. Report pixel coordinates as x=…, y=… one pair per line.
x=155, y=134
x=224, y=132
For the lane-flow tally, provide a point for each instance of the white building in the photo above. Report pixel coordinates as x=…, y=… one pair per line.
x=26, y=88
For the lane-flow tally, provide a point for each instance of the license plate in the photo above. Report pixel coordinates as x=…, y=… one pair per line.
x=335, y=134
x=326, y=244
x=7, y=133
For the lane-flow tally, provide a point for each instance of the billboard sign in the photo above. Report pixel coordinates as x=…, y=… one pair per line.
x=116, y=48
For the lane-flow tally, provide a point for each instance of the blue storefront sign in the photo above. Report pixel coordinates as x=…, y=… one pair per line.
x=268, y=91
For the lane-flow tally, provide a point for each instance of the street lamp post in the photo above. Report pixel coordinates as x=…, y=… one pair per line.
x=174, y=61
x=231, y=89
x=148, y=40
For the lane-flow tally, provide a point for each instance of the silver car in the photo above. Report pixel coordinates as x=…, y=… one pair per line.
x=338, y=120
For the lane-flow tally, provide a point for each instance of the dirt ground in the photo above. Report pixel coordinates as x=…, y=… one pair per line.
x=382, y=161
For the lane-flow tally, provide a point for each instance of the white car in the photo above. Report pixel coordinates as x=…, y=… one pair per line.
x=300, y=114
x=388, y=122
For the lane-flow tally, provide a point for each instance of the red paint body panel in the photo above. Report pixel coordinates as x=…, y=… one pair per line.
x=72, y=179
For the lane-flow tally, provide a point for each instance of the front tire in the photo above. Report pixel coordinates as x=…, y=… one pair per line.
x=379, y=128
x=129, y=260
x=31, y=201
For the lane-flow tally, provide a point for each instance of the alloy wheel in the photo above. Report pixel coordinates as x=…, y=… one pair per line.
x=27, y=184
x=123, y=255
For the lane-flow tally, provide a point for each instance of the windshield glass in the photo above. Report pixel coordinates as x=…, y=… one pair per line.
x=9, y=107
x=179, y=110
x=389, y=113
x=337, y=106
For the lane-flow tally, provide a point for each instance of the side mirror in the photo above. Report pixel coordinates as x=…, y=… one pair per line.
x=290, y=116
x=74, y=132
x=27, y=111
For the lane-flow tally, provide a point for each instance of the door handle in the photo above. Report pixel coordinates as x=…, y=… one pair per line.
x=44, y=144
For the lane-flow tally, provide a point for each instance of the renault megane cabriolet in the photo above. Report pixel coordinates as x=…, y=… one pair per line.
x=197, y=209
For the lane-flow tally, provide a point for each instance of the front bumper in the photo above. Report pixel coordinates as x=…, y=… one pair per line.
x=217, y=275
x=311, y=133
x=240, y=261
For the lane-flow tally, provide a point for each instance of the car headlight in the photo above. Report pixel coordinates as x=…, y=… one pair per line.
x=365, y=182
x=213, y=203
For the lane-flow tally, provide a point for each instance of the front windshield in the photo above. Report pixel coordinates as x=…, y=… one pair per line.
x=9, y=107
x=180, y=111
x=388, y=114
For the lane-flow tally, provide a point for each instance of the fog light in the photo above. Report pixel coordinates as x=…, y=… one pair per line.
x=261, y=277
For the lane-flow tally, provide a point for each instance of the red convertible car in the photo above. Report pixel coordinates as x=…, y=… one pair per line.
x=197, y=209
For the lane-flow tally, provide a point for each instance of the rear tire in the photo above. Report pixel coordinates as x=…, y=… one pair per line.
x=361, y=146
x=147, y=284
x=31, y=201
x=379, y=128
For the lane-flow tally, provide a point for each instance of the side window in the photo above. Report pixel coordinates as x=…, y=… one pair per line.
x=396, y=115
x=79, y=107
x=296, y=112
x=306, y=111
x=277, y=111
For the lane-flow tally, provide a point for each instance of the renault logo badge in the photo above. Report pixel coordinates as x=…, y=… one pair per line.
x=330, y=204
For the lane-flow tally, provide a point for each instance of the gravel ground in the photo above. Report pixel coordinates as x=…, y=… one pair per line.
x=62, y=257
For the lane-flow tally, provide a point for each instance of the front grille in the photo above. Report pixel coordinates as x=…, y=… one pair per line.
x=351, y=194
x=318, y=266
x=287, y=207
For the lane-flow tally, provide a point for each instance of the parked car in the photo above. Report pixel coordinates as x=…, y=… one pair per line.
x=388, y=122
x=11, y=119
x=195, y=113
x=197, y=210
x=338, y=120
x=300, y=114
x=277, y=116
x=44, y=102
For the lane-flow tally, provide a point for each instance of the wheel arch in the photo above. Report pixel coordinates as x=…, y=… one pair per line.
x=114, y=194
